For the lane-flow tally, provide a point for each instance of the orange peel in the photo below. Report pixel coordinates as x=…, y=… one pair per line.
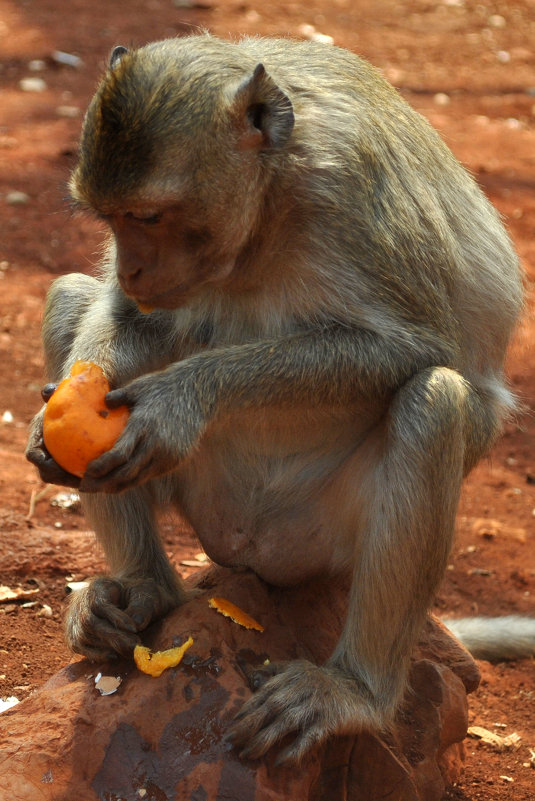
x=236, y=614
x=77, y=425
x=155, y=662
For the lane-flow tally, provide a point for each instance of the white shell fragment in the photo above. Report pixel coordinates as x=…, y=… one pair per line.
x=7, y=703
x=106, y=685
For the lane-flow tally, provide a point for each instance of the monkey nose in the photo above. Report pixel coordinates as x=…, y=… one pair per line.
x=130, y=280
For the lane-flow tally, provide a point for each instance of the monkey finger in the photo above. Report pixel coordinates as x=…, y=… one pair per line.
x=109, y=614
x=125, y=476
x=268, y=732
x=49, y=469
x=47, y=391
x=120, y=457
x=103, y=601
x=118, y=397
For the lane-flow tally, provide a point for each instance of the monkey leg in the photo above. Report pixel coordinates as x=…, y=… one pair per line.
x=404, y=511
x=105, y=618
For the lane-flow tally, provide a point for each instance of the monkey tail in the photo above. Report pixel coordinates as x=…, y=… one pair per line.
x=496, y=638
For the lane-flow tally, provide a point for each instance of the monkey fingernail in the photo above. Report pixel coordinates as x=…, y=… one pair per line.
x=47, y=391
x=115, y=398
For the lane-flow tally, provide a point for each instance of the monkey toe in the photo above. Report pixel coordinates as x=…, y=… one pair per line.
x=146, y=601
x=259, y=676
x=97, y=639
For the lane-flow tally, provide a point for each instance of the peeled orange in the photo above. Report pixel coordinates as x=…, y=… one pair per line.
x=77, y=424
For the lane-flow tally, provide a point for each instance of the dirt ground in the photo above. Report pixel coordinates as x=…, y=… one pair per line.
x=470, y=68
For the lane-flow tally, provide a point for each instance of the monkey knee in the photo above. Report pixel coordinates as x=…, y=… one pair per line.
x=475, y=411
x=432, y=399
x=445, y=413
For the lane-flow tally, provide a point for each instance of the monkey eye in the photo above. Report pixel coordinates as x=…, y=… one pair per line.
x=149, y=219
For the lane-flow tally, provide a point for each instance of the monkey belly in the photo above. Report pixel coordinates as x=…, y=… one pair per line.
x=273, y=505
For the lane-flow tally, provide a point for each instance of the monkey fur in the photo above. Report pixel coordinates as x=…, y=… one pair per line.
x=333, y=299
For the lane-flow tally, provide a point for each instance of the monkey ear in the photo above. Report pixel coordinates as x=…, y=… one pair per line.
x=116, y=55
x=265, y=113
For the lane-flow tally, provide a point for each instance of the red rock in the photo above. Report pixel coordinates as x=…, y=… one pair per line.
x=163, y=739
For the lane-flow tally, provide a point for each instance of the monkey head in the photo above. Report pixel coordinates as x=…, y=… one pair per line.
x=177, y=152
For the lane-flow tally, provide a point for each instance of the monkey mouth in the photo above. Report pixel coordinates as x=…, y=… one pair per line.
x=174, y=298
x=181, y=294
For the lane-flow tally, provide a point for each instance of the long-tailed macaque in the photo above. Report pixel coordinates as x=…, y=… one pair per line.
x=332, y=298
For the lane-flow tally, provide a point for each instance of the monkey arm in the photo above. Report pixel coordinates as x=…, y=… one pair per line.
x=330, y=365
x=171, y=408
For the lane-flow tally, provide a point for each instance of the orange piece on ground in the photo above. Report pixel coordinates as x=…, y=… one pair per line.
x=236, y=614
x=155, y=662
x=77, y=424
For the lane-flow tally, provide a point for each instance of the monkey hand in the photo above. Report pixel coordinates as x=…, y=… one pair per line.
x=302, y=700
x=37, y=454
x=164, y=425
x=104, y=619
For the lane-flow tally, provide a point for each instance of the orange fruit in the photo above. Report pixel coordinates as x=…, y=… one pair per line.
x=77, y=424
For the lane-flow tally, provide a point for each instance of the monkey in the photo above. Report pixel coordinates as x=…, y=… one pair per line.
x=305, y=302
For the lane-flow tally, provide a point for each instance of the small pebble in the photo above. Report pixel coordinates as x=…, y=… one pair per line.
x=37, y=65
x=68, y=111
x=16, y=198
x=67, y=59
x=441, y=99
x=309, y=32
x=497, y=21
x=32, y=85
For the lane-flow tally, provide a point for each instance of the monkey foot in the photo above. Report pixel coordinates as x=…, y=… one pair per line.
x=307, y=702
x=105, y=618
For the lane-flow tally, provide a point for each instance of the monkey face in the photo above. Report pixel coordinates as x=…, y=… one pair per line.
x=177, y=155
x=163, y=261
